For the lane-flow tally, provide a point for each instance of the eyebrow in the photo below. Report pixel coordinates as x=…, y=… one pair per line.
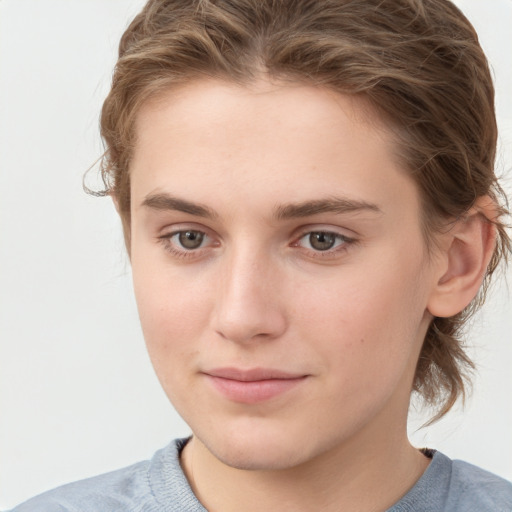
x=337, y=205
x=329, y=205
x=168, y=202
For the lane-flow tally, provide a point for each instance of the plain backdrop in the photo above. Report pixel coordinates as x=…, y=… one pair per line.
x=77, y=392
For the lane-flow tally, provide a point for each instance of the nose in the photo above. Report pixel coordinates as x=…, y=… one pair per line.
x=249, y=303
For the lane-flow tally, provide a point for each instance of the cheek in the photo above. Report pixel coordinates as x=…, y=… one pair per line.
x=173, y=313
x=368, y=325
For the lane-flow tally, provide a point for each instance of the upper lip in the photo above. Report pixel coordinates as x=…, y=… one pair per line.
x=252, y=374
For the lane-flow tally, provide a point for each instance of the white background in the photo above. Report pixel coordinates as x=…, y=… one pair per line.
x=77, y=393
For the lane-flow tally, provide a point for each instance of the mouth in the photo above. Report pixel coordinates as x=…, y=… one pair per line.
x=254, y=385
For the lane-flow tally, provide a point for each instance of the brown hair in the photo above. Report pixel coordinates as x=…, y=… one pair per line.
x=417, y=61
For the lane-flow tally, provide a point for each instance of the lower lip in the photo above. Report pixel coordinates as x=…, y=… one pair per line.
x=252, y=392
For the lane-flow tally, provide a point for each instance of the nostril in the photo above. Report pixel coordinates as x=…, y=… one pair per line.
x=250, y=325
x=246, y=309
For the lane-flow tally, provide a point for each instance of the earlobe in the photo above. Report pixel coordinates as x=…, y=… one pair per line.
x=467, y=253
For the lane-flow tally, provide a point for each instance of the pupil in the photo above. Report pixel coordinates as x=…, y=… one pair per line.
x=191, y=239
x=322, y=241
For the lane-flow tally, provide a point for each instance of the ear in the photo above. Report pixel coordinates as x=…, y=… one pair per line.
x=466, y=253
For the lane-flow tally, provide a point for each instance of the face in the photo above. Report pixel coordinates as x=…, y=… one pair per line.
x=279, y=267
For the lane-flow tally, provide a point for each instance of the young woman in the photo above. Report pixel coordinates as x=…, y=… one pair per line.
x=311, y=213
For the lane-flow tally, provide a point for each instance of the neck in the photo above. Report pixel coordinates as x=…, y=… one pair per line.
x=367, y=473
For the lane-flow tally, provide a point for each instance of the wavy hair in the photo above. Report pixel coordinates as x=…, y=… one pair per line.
x=418, y=62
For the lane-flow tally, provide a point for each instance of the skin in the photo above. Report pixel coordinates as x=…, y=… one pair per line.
x=347, y=322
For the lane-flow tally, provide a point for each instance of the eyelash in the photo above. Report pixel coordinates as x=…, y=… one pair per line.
x=341, y=244
x=167, y=241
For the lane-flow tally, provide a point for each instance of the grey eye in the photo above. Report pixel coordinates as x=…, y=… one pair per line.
x=322, y=241
x=190, y=239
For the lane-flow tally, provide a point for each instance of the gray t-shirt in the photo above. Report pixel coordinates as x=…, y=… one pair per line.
x=159, y=485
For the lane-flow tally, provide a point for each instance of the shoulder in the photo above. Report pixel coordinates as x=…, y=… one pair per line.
x=456, y=486
x=474, y=487
x=143, y=486
x=110, y=491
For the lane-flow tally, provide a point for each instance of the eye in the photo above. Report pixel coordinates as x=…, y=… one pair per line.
x=190, y=239
x=322, y=241
x=186, y=243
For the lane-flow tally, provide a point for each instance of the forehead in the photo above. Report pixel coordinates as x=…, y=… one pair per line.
x=212, y=138
x=207, y=104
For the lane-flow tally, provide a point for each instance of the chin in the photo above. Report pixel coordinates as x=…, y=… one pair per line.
x=254, y=457
x=261, y=448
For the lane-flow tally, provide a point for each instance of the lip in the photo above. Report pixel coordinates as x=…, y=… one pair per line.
x=251, y=386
